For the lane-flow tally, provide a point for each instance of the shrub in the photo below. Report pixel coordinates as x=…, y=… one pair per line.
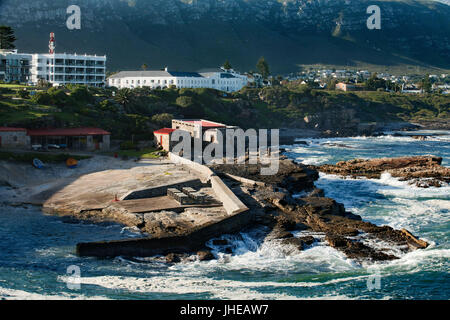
x=24, y=94
x=163, y=119
x=184, y=101
x=81, y=94
x=42, y=98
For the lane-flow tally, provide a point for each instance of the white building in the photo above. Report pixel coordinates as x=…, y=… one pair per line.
x=62, y=69
x=228, y=81
x=14, y=66
x=57, y=68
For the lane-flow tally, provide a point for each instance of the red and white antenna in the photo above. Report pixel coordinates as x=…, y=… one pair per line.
x=51, y=44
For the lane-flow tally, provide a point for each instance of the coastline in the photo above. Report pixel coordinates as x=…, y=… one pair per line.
x=250, y=250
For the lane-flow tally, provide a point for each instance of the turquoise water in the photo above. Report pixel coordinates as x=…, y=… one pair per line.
x=36, y=250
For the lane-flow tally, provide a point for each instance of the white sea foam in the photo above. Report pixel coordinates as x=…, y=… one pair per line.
x=13, y=294
x=216, y=288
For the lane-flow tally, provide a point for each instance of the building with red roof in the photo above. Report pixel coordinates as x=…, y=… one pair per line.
x=88, y=139
x=11, y=137
x=162, y=138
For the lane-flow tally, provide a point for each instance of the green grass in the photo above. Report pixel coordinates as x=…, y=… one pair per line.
x=28, y=157
x=14, y=86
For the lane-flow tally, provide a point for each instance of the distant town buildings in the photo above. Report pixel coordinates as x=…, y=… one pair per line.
x=345, y=86
x=224, y=80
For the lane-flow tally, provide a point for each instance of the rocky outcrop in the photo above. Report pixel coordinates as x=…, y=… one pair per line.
x=424, y=171
x=290, y=176
x=343, y=230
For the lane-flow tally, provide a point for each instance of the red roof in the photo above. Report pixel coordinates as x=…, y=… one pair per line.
x=164, y=131
x=204, y=123
x=68, y=132
x=10, y=129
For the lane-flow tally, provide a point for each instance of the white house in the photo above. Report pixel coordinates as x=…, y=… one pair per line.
x=228, y=81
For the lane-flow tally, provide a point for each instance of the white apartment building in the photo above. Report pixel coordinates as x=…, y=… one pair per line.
x=62, y=69
x=57, y=68
x=228, y=81
x=14, y=66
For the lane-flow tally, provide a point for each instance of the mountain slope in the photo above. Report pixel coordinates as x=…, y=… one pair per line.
x=193, y=34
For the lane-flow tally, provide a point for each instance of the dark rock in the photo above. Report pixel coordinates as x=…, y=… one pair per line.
x=205, y=255
x=173, y=258
x=296, y=242
x=309, y=240
x=427, y=169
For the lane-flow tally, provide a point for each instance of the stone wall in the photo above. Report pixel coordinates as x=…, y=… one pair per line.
x=14, y=139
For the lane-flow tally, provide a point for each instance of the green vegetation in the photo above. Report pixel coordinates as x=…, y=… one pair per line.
x=263, y=67
x=7, y=38
x=44, y=157
x=135, y=114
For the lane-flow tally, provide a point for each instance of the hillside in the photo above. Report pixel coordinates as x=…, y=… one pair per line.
x=140, y=111
x=194, y=34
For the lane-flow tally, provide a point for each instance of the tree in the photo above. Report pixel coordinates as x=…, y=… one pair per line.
x=374, y=83
x=425, y=84
x=163, y=119
x=7, y=38
x=227, y=65
x=263, y=67
x=125, y=97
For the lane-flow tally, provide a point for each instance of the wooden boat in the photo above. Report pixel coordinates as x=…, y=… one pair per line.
x=38, y=164
x=71, y=163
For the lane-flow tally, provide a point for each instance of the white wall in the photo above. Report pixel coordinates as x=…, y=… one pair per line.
x=214, y=82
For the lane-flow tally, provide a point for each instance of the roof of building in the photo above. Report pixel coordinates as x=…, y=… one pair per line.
x=205, y=123
x=168, y=74
x=162, y=73
x=11, y=129
x=68, y=132
x=164, y=131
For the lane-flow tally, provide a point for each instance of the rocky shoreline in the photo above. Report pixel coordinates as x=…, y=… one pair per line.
x=277, y=207
x=283, y=205
x=423, y=171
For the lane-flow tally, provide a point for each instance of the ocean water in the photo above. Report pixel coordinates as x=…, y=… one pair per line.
x=36, y=250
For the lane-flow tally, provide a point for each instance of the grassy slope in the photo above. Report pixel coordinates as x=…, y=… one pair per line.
x=268, y=107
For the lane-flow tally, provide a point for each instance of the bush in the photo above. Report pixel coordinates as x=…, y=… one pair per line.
x=163, y=119
x=81, y=94
x=184, y=101
x=42, y=98
x=24, y=94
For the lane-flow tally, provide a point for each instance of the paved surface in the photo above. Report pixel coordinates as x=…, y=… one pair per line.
x=98, y=190
x=159, y=204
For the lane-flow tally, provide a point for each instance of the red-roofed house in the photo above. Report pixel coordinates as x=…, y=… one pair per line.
x=89, y=139
x=13, y=137
x=162, y=138
x=198, y=127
